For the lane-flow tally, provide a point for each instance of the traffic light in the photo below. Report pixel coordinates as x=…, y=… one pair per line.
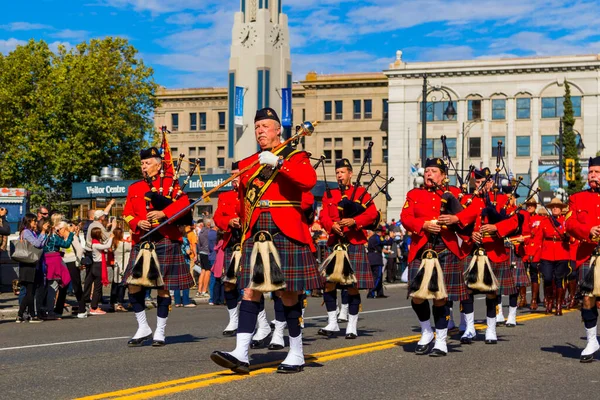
x=569, y=169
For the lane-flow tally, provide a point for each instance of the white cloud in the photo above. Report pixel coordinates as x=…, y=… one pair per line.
x=157, y=7
x=442, y=53
x=539, y=44
x=54, y=46
x=70, y=34
x=6, y=46
x=337, y=62
x=23, y=26
x=181, y=19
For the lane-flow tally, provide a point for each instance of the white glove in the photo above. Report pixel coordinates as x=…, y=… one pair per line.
x=268, y=158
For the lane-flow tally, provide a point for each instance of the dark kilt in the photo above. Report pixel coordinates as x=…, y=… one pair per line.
x=521, y=276
x=584, y=269
x=451, y=266
x=357, y=253
x=506, y=277
x=175, y=271
x=299, y=265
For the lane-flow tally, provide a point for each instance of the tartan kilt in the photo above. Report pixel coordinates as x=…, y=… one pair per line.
x=584, y=269
x=451, y=266
x=506, y=277
x=521, y=275
x=357, y=254
x=175, y=271
x=298, y=263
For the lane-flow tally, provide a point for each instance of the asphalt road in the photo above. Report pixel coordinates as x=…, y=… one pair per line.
x=79, y=358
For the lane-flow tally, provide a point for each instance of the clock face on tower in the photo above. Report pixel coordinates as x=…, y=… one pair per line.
x=276, y=37
x=248, y=36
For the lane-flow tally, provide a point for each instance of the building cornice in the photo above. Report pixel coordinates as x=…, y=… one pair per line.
x=374, y=79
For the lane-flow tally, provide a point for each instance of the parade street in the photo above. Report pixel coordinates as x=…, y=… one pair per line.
x=89, y=359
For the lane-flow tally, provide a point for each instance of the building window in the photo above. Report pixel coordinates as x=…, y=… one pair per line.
x=384, y=155
x=385, y=108
x=495, y=140
x=356, y=109
x=356, y=141
x=356, y=156
x=221, y=162
x=435, y=147
x=451, y=143
x=339, y=154
x=339, y=142
x=367, y=140
x=174, y=151
x=327, y=108
x=339, y=112
x=203, y=121
x=202, y=164
x=524, y=108
x=202, y=151
x=327, y=143
x=523, y=189
x=549, y=147
x=552, y=107
x=435, y=111
x=191, y=152
x=193, y=121
x=368, y=109
x=475, y=147
x=174, y=122
x=221, y=120
x=499, y=109
x=474, y=109
x=303, y=114
x=220, y=151
x=327, y=154
x=523, y=146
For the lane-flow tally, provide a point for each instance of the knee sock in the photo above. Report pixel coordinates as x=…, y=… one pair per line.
x=162, y=306
x=248, y=314
x=231, y=299
x=330, y=299
x=499, y=300
x=137, y=301
x=440, y=314
x=262, y=303
x=278, y=306
x=292, y=317
x=490, y=306
x=422, y=310
x=512, y=300
x=344, y=297
x=467, y=305
x=353, y=304
x=590, y=317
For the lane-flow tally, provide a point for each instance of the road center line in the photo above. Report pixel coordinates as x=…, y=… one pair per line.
x=62, y=343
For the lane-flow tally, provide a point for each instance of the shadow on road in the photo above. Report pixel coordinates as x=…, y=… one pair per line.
x=568, y=351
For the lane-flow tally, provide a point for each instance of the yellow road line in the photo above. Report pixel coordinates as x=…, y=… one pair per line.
x=221, y=377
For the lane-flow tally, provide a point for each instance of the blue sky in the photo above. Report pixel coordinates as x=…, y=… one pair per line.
x=187, y=41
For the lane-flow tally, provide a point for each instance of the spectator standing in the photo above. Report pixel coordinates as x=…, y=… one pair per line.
x=375, y=255
x=182, y=296
x=42, y=213
x=390, y=252
x=56, y=272
x=203, y=252
x=72, y=258
x=212, y=256
x=121, y=250
x=97, y=273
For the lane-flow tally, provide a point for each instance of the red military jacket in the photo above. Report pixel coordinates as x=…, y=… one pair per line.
x=295, y=177
x=228, y=208
x=330, y=214
x=552, y=241
x=584, y=213
x=135, y=209
x=520, y=248
x=533, y=249
x=493, y=244
x=422, y=205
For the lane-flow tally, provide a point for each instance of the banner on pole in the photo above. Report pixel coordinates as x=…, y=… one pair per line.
x=286, y=107
x=239, y=106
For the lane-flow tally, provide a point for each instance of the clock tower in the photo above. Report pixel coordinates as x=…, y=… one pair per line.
x=260, y=63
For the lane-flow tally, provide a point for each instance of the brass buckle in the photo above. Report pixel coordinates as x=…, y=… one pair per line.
x=264, y=203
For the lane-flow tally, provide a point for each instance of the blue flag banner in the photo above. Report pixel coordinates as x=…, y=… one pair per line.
x=286, y=107
x=239, y=106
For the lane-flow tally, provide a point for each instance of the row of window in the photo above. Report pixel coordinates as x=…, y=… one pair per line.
x=549, y=146
x=197, y=121
x=333, y=149
x=357, y=155
x=200, y=153
x=552, y=107
x=361, y=109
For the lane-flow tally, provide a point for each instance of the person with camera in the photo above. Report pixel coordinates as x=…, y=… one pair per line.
x=72, y=259
x=29, y=277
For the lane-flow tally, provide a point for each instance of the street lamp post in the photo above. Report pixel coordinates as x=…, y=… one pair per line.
x=450, y=112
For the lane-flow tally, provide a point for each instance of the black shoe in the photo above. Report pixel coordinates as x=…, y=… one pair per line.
x=226, y=360
x=158, y=343
x=230, y=333
x=383, y=296
x=491, y=341
x=510, y=325
x=325, y=332
x=423, y=349
x=437, y=353
x=290, y=369
x=351, y=336
x=342, y=319
x=139, y=341
x=587, y=359
x=466, y=340
x=259, y=344
x=370, y=296
x=275, y=346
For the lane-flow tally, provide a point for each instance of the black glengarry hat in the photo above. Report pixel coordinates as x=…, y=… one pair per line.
x=235, y=165
x=343, y=163
x=594, y=162
x=152, y=152
x=266, y=113
x=481, y=173
x=436, y=162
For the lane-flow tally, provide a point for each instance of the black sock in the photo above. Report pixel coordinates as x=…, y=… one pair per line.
x=248, y=315
x=512, y=300
x=344, y=296
x=490, y=307
x=162, y=306
x=467, y=306
x=278, y=306
x=353, y=304
x=137, y=301
x=450, y=304
x=302, y=299
x=231, y=299
x=422, y=310
x=292, y=317
x=330, y=300
x=590, y=317
x=499, y=300
x=262, y=303
x=439, y=316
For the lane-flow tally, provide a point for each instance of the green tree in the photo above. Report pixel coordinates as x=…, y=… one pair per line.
x=65, y=115
x=570, y=142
